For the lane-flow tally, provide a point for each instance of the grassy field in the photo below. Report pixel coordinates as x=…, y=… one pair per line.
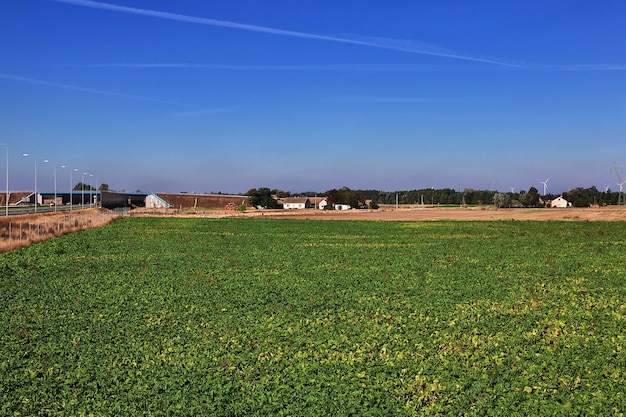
x=162, y=316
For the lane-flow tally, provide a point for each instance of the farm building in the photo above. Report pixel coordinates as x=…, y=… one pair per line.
x=204, y=201
x=297, y=203
x=339, y=206
x=317, y=201
x=560, y=202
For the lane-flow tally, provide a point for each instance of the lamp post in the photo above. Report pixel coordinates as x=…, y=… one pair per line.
x=27, y=155
x=82, y=190
x=71, y=189
x=90, y=192
x=63, y=167
x=54, y=170
x=7, y=180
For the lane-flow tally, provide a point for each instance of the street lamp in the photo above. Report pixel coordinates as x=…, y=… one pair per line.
x=71, y=189
x=82, y=190
x=27, y=155
x=7, y=179
x=97, y=190
x=63, y=167
x=54, y=168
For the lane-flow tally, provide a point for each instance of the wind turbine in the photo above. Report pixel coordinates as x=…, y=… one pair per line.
x=622, y=179
x=512, y=190
x=545, y=186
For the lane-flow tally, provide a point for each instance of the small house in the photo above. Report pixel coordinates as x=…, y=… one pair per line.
x=560, y=202
x=297, y=203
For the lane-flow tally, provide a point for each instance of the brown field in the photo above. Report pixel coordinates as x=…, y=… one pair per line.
x=407, y=213
x=613, y=213
x=18, y=231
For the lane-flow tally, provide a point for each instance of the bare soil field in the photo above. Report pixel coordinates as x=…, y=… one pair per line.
x=614, y=213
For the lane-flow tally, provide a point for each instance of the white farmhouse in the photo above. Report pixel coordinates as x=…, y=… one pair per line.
x=560, y=202
x=297, y=203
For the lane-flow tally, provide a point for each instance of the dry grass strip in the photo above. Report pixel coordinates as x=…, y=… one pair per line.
x=24, y=230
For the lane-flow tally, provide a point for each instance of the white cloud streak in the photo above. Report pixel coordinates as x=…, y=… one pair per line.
x=381, y=43
x=85, y=90
x=582, y=67
x=304, y=67
x=351, y=67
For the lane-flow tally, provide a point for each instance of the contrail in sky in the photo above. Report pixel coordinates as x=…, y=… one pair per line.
x=349, y=67
x=300, y=67
x=393, y=44
x=84, y=90
x=585, y=67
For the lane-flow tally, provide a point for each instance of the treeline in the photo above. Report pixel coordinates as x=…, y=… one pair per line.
x=578, y=197
x=88, y=187
x=584, y=197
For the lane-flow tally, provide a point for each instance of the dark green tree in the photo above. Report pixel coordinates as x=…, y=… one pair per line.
x=583, y=197
x=530, y=198
x=350, y=197
x=280, y=193
x=261, y=197
x=501, y=200
x=82, y=186
x=332, y=197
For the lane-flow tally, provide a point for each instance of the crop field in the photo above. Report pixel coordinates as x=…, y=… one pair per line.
x=228, y=317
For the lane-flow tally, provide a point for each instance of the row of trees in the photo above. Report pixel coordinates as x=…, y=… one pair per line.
x=88, y=187
x=584, y=197
x=578, y=197
x=447, y=196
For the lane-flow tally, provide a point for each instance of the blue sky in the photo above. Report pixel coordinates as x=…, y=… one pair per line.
x=201, y=96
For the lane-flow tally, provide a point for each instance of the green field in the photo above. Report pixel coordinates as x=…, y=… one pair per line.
x=220, y=317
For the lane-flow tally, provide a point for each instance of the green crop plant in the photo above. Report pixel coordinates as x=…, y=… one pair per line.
x=164, y=316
